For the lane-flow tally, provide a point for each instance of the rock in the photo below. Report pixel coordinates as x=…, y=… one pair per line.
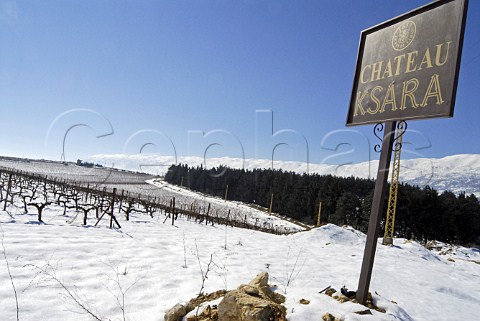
x=342, y=299
x=202, y=298
x=328, y=317
x=253, y=302
x=304, y=301
x=210, y=313
x=260, y=282
x=381, y=310
x=240, y=306
x=249, y=302
x=178, y=312
x=330, y=291
x=364, y=312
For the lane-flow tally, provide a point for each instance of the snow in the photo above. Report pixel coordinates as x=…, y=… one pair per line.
x=146, y=260
x=140, y=271
x=239, y=209
x=150, y=187
x=457, y=173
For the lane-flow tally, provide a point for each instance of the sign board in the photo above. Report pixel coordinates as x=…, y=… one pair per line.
x=407, y=67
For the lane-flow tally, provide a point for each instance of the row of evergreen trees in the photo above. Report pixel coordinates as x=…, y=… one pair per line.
x=422, y=214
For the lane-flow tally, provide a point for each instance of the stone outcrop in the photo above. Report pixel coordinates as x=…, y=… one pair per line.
x=178, y=312
x=253, y=302
x=249, y=302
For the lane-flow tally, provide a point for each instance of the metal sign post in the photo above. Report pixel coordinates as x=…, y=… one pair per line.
x=376, y=212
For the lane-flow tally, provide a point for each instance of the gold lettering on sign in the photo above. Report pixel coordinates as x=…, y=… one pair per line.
x=388, y=70
x=409, y=98
x=411, y=61
x=389, y=99
x=427, y=60
x=362, y=73
x=358, y=104
x=398, y=61
x=376, y=70
x=406, y=63
x=409, y=92
x=439, y=54
x=434, y=91
x=376, y=101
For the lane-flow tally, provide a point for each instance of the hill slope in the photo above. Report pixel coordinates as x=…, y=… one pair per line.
x=157, y=265
x=456, y=173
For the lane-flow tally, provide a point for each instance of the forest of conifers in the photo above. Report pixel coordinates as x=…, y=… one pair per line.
x=422, y=213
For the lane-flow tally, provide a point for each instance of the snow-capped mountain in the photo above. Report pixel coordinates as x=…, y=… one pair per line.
x=457, y=173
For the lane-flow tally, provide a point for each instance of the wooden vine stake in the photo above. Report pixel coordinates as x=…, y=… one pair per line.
x=173, y=211
x=271, y=203
x=112, y=216
x=319, y=213
x=8, y=191
x=208, y=211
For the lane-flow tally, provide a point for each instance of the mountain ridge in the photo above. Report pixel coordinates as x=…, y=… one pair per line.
x=456, y=173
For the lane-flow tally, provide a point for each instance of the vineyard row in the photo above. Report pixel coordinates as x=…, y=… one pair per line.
x=24, y=190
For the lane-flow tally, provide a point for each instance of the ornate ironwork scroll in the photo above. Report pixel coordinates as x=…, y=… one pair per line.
x=376, y=131
x=401, y=129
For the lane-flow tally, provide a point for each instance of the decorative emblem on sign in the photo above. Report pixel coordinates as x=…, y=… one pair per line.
x=404, y=35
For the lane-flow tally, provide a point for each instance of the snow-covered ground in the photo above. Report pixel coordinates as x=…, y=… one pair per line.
x=238, y=210
x=61, y=270
x=143, y=269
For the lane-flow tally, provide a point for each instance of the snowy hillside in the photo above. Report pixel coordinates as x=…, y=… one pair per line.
x=60, y=269
x=456, y=173
x=147, y=187
x=140, y=271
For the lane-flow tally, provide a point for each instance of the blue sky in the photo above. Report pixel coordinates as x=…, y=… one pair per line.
x=213, y=78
